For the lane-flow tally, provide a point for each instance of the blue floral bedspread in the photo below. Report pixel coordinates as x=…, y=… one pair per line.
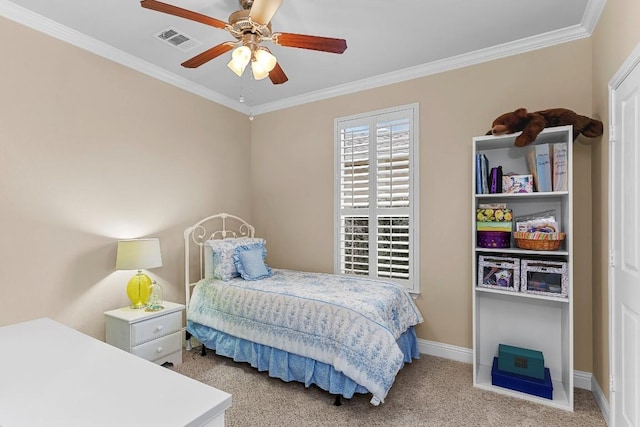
x=351, y=323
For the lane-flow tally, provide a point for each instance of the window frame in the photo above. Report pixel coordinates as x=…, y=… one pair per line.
x=372, y=119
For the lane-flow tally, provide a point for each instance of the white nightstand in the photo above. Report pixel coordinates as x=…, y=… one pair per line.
x=152, y=335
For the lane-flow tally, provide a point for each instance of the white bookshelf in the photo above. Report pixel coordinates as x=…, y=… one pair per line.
x=538, y=322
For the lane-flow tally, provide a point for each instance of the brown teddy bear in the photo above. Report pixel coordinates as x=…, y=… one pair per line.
x=531, y=124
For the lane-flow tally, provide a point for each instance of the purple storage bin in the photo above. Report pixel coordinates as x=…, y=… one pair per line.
x=493, y=239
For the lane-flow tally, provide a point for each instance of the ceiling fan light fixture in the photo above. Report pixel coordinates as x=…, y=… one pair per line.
x=265, y=59
x=262, y=63
x=259, y=72
x=240, y=57
x=236, y=68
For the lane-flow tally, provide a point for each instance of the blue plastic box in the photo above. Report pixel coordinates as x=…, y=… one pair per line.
x=521, y=361
x=541, y=388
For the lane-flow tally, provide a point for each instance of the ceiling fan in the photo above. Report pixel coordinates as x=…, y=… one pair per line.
x=250, y=26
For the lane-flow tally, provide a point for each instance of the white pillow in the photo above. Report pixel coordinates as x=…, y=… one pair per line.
x=208, y=261
x=222, y=250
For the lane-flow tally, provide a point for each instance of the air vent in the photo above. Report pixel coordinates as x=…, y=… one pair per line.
x=177, y=39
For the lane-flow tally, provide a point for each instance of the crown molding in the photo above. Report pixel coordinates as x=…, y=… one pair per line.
x=592, y=14
x=54, y=29
x=484, y=55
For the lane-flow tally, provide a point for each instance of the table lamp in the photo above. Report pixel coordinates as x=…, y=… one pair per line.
x=138, y=254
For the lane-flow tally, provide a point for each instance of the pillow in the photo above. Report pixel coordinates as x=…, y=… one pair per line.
x=208, y=261
x=249, y=261
x=222, y=251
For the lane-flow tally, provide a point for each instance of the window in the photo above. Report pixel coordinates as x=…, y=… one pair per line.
x=376, y=195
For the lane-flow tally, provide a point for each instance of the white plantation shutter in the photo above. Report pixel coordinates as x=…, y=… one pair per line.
x=393, y=247
x=354, y=245
x=354, y=171
x=393, y=163
x=376, y=195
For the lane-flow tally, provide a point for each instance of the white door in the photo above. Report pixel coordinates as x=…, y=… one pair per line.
x=624, y=271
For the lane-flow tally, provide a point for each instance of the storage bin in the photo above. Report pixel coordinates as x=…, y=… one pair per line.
x=540, y=388
x=493, y=239
x=544, y=277
x=521, y=361
x=493, y=227
x=538, y=241
x=499, y=272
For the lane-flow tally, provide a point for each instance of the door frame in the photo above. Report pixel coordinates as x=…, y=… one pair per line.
x=632, y=61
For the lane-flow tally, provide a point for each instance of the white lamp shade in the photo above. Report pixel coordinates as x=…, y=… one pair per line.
x=240, y=58
x=263, y=63
x=136, y=254
x=266, y=59
x=258, y=70
x=242, y=54
x=236, y=67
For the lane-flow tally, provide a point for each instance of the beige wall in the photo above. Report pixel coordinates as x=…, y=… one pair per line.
x=615, y=37
x=91, y=151
x=293, y=176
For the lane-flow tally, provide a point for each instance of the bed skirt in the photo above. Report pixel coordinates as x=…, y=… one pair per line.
x=291, y=367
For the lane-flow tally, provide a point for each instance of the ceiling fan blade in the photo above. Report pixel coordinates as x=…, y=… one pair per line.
x=262, y=10
x=302, y=41
x=208, y=55
x=277, y=76
x=182, y=13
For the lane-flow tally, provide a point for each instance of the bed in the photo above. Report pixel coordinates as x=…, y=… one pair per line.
x=344, y=334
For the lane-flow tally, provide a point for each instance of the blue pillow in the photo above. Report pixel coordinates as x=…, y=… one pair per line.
x=249, y=261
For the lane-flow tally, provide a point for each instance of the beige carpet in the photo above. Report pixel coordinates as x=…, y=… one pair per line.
x=428, y=392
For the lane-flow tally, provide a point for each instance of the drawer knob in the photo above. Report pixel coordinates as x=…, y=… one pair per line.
x=159, y=328
x=159, y=350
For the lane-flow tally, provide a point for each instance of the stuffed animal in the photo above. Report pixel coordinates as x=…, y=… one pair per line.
x=531, y=124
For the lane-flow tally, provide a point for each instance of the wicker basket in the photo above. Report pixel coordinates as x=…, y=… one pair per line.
x=538, y=241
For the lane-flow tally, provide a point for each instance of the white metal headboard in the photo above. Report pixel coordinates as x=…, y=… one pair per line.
x=212, y=227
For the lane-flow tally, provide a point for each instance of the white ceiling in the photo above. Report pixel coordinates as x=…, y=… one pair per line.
x=388, y=40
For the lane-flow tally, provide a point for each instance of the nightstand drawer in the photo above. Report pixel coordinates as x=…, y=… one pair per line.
x=151, y=329
x=160, y=347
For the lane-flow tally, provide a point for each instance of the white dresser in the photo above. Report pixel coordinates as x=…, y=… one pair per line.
x=155, y=336
x=52, y=375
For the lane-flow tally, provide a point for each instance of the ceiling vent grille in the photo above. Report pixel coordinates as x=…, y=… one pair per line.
x=177, y=39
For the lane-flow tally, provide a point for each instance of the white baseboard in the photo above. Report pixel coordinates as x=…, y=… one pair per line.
x=446, y=351
x=601, y=400
x=583, y=380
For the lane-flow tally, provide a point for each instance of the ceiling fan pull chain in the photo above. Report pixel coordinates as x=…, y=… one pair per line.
x=242, y=88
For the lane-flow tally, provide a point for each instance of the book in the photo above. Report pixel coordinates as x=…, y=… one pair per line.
x=484, y=168
x=478, y=173
x=495, y=178
x=531, y=165
x=543, y=167
x=559, y=166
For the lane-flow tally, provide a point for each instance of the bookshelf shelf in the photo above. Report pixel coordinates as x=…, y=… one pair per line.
x=534, y=195
x=522, y=295
x=508, y=317
x=523, y=252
